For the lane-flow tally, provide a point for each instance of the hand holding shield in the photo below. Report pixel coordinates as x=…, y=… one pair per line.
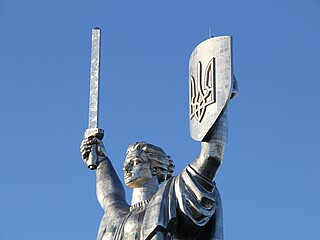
x=211, y=84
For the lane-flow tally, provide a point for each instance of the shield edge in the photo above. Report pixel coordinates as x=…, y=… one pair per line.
x=199, y=131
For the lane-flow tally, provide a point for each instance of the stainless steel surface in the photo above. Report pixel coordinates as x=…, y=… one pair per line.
x=93, y=130
x=210, y=83
x=186, y=206
x=94, y=79
x=155, y=212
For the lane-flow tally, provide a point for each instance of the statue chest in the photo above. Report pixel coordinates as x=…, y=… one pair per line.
x=127, y=228
x=132, y=226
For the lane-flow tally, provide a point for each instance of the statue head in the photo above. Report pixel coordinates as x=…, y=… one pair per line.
x=145, y=161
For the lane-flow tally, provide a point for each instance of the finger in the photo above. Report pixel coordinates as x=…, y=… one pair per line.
x=86, y=140
x=83, y=143
x=86, y=152
x=82, y=147
x=85, y=149
x=86, y=145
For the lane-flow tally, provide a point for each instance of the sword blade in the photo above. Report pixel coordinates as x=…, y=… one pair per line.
x=94, y=79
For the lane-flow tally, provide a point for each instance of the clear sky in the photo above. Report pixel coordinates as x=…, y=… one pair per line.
x=269, y=180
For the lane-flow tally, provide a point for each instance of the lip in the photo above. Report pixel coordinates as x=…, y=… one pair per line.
x=127, y=175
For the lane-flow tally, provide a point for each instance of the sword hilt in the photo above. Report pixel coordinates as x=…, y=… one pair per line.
x=92, y=161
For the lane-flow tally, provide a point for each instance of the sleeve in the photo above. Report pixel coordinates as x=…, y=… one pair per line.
x=196, y=196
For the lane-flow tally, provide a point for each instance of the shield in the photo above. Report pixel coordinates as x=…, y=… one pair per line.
x=210, y=83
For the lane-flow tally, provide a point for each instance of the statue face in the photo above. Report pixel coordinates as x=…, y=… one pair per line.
x=137, y=169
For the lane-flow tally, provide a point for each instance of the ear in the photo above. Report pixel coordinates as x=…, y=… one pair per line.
x=161, y=175
x=154, y=171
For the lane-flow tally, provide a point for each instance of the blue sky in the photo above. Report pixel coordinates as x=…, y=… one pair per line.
x=269, y=179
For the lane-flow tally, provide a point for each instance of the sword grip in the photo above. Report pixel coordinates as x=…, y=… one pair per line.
x=93, y=158
x=92, y=161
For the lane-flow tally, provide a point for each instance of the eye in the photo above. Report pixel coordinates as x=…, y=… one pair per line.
x=137, y=161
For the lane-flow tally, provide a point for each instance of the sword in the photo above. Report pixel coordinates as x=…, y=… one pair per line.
x=93, y=130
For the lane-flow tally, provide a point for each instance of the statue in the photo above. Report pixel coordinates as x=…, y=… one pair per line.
x=185, y=206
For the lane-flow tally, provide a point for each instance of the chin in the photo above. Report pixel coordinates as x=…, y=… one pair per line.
x=131, y=184
x=130, y=181
x=135, y=182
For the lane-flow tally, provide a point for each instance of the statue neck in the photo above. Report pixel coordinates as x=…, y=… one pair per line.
x=145, y=192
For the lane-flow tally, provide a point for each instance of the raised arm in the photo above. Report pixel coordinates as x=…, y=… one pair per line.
x=109, y=187
x=110, y=190
x=195, y=190
x=212, y=149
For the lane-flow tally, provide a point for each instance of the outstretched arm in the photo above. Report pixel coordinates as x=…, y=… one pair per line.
x=212, y=149
x=110, y=190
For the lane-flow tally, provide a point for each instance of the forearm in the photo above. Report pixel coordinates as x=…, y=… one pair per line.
x=109, y=186
x=212, y=149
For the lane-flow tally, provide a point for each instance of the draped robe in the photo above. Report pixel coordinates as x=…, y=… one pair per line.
x=187, y=206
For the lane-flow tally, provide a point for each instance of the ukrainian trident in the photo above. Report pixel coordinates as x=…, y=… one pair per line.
x=210, y=84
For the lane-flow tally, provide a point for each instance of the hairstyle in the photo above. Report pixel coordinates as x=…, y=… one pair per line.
x=161, y=164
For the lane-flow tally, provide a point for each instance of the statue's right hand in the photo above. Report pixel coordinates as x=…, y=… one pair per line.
x=86, y=147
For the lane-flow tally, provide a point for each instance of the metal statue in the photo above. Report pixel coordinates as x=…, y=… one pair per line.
x=185, y=206
x=93, y=131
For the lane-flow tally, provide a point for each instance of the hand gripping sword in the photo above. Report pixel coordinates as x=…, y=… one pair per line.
x=93, y=130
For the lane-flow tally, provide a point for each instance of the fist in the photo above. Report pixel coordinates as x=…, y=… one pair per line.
x=92, y=144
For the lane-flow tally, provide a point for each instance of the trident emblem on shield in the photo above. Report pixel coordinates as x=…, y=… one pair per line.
x=202, y=90
x=210, y=84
